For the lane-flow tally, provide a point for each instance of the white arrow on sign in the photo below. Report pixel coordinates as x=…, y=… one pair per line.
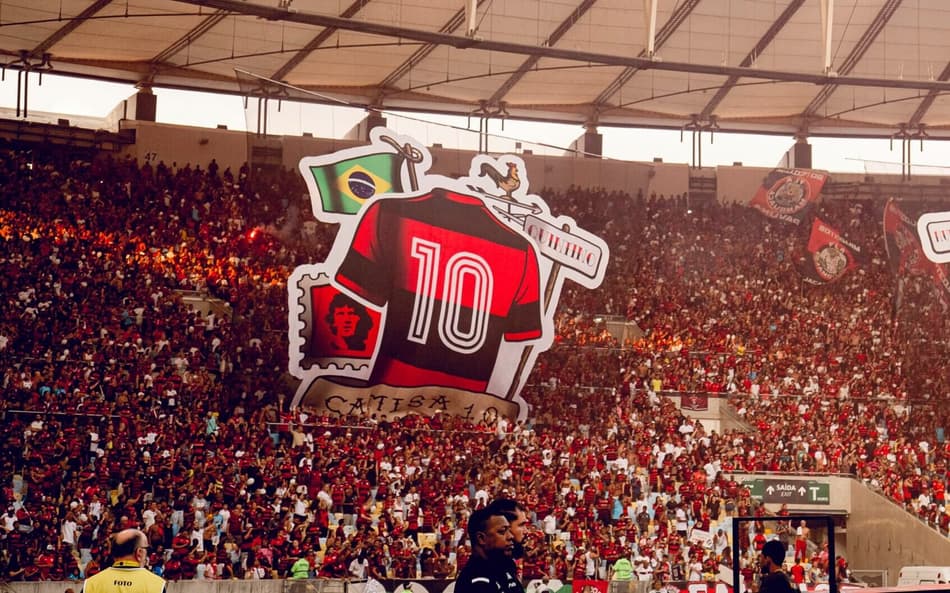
x=770, y=490
x=801, y=491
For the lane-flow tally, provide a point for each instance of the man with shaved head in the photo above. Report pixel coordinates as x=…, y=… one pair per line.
x=492, y=541
x=129, y=572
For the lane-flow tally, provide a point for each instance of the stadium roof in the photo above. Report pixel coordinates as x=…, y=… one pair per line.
x=815, y=67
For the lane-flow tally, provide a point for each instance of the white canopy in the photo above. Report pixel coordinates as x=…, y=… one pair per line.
x=811, y=67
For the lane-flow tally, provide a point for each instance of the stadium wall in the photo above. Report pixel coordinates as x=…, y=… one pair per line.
x=184, y=144
x=156, y=142
x=738, y=184
x=883, y=536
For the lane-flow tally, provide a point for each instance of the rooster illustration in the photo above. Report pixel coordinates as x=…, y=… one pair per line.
x=507, y=184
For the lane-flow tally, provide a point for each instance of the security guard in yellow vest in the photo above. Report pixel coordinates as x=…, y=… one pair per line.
x=301, y=568
x=129, y=572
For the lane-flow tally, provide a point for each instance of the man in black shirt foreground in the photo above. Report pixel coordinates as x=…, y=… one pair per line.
x=773, y=579
x=492, y=545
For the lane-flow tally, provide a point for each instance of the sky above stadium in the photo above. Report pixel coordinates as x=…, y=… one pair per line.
x=85, y=98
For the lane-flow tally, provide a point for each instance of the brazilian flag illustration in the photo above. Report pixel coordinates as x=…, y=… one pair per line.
x=345, y=185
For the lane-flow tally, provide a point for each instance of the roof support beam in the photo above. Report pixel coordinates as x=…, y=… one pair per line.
x=827, y=25
x=750, y=58
x=857, y=52
x=471, y=17
x=579, y=11
x=69, y=27
x=649, y=16
x=190, y=37
x=676, y=19
x=457, y=20
x=317, y=41
x=928, y=101
x=460, y=42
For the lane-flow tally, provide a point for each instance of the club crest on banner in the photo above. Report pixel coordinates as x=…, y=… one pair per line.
x=831, y=254
x=438, y=293
x=787, y=194
x=831, y=261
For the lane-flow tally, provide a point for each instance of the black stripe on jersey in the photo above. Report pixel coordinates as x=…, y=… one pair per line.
x=522, y=318
x=439, y=210
x=434, y=354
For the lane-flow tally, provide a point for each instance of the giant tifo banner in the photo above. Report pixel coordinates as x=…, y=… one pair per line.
x=438, y=293
x=788, y=194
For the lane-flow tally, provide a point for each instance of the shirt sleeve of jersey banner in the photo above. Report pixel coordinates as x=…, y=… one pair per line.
x=345, y=185
x=788, y=194
x=829, y=254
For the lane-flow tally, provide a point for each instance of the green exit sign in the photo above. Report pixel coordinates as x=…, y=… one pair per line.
x=772, y=490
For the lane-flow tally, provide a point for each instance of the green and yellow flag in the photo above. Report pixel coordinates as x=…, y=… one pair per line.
x=345, y=185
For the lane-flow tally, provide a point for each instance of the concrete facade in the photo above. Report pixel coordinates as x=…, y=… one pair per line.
x=883, y=536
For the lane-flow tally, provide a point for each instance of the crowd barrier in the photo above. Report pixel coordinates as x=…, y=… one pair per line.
x=316, y=586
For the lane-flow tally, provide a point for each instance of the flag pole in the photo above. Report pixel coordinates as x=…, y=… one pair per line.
x=526, y=352
x=411, y=154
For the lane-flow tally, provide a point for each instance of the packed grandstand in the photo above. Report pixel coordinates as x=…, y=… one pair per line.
x=123, y=406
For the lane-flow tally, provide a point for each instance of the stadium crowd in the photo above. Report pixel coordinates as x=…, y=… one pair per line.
x=124, y=407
